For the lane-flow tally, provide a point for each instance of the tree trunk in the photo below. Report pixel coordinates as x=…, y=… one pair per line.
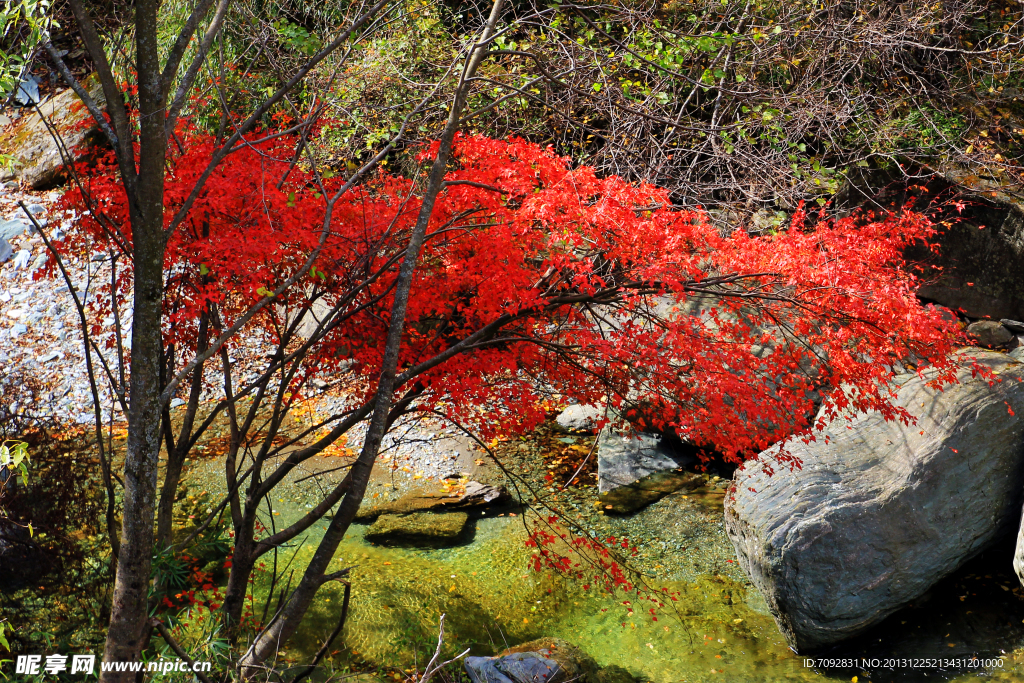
x=242, y=563
x=128, y=616
x=316, y=575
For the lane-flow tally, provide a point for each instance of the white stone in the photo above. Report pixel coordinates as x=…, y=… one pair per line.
x=21, y=259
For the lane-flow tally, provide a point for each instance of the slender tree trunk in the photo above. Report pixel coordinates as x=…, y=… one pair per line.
x=316, y=574
x=128, y=617
x=176, y=457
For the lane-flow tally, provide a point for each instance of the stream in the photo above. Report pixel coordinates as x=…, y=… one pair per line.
x=718, y=629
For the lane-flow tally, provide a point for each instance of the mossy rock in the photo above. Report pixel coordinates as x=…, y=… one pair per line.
x=575, y=664
x=652, y=488
x=414, y=501
x=423, y=529
x=474, y=495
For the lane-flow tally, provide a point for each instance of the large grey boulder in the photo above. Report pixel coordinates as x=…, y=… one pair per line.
x=880, y=511
x=38, y=161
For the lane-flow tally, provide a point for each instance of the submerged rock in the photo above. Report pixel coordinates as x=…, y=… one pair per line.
x=880, y=511
x=652, y=488
x=546, y=660
x=635, y=470
x=428, y=529
x=473, y=495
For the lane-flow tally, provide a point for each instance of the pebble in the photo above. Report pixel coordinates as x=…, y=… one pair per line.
x=36, y=316
x=21, y=258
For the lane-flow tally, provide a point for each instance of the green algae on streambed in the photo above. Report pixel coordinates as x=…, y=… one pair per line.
x=718, y=629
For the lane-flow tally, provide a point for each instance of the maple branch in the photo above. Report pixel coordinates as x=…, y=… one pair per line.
x=386, y=384
x=178, y=51
x=244, y=319
x=115, y=545
x=471, y=183
x=268, y=104
x=122, y=139
x=83, y=94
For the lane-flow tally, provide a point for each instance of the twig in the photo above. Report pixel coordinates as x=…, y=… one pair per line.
x=165, y=633
x=432, y=666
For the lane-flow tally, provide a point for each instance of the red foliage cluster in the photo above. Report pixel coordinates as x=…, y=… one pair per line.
x=592, y=288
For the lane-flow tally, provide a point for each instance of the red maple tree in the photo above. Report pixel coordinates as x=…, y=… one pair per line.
x=536, y=280
x=544, y=279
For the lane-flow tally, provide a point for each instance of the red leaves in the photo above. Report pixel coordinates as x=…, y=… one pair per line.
x=598, y=286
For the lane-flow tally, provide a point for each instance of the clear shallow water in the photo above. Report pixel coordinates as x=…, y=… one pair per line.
x=719, y=630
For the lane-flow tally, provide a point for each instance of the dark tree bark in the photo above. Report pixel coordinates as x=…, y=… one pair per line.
x=128, y=616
